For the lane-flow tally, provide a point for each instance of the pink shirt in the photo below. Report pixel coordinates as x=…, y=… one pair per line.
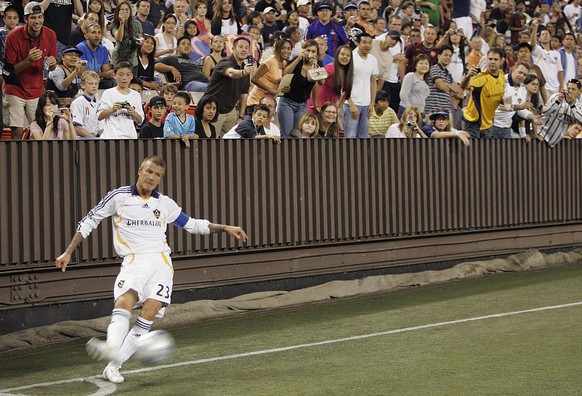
x=326, y=92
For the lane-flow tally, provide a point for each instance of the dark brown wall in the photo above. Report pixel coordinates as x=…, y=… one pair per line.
x=310, y=207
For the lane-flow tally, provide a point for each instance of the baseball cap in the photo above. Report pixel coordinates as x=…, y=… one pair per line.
x=303, y=2
x=157, y=100
x=350, y=6
x=32, y=8
x=269, y=9
x=72, y=49
x=434, y=116
x=324, y=6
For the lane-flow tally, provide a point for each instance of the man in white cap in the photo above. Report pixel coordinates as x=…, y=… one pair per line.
x=304, y=10
x=32, y=50
x=270, y=24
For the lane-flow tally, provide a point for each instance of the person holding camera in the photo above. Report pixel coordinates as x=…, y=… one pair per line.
x=293, y=104
x=120, y=106
x=50, y=122
x=127, y=33
x=66, y=77
x=408, y=126
x=230, y=82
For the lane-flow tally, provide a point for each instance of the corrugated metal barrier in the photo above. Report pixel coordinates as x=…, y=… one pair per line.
x=300, y=192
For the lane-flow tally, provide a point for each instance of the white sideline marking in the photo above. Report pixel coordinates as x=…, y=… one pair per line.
x=4, y=392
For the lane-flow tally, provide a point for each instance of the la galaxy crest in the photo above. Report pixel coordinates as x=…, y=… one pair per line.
x=157, y=214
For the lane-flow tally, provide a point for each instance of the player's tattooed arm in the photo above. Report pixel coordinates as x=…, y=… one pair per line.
x=233, y=231
x=215, y=228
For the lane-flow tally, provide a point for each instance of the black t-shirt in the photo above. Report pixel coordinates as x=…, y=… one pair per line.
x=188, y=68
x=300, y=86
x=227, y=89
x=58, y=17
x=150, y=131
x=157, y=11
x=262, y=4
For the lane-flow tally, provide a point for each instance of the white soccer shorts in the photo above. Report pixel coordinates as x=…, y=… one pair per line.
x=150, y=275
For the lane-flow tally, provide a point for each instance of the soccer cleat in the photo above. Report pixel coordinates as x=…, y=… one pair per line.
x=111, y=373
x=99, y=350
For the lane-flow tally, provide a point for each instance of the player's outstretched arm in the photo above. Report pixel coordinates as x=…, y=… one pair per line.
x=233, y=231
x=63, y=260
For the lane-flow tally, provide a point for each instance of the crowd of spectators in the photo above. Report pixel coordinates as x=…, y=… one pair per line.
x=459, y=69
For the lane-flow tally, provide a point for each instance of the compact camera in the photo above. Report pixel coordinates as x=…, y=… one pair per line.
x=125, y=105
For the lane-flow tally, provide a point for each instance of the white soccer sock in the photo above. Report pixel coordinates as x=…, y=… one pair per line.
x=142, y=327
x=118, y=328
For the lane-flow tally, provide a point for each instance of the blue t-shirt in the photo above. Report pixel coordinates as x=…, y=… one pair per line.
x=95, y=59
x=173, y=125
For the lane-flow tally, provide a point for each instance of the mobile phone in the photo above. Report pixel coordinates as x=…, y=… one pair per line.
x=250, y=60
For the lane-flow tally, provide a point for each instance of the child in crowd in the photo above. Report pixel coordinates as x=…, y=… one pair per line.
x=50, y=122
x=10, y=19
x=251, y=127
x=120, y=106
x=308, y=127
x=179, y=125
x=154, y=128
x=84, y=107
x=137, y=85
x=167, y=92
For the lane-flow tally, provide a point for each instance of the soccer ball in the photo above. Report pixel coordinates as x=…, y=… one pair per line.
x=155, y=347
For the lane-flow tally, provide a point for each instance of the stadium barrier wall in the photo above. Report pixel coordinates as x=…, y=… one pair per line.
x=310, y=207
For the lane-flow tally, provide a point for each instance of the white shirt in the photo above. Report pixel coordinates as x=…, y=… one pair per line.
x=139, y=225
x=477, y=7
x=573, y=13
x=550, y=63
x=84, y=114
x=397, y=49
x=119, y=125
x=395, y=132
x=363, y=69
x=273, y=130
x=518, y=95
x=456, y=65
x=570, y=71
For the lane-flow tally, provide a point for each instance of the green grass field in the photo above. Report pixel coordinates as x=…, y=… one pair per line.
x=416, y=341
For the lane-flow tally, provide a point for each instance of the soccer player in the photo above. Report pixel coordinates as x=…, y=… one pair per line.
x=140, y=218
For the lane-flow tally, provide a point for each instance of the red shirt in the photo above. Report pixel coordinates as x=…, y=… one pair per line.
x=18, y=45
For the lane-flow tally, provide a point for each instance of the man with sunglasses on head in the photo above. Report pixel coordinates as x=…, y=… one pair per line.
x=562, y=110
x=97, y=56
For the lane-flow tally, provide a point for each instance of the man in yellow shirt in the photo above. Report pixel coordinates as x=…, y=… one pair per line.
x=487, y=89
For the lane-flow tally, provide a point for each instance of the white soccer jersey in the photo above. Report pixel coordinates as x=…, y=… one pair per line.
x=139, y=225
x=84, y=114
